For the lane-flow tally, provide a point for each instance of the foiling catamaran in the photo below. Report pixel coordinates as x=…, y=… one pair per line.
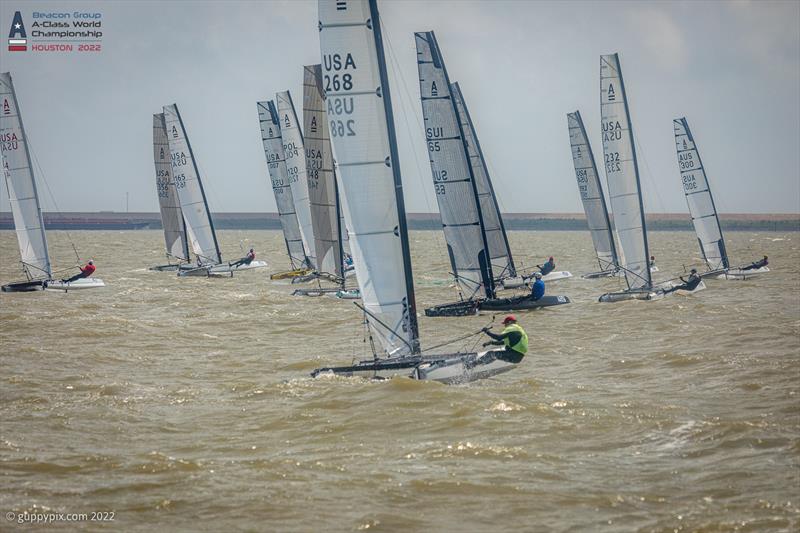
x=176, y=239
x=25, y=206
x=622, y=174
x=358, y=97
x=193, y=204
x=702, y=209
x=471, y=221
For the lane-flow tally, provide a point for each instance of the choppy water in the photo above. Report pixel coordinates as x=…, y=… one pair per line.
x=185, y=403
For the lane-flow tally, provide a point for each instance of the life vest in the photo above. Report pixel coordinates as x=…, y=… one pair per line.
x=89, y=269
x=522, y=344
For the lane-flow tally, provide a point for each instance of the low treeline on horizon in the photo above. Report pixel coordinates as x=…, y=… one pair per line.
x=105, y=220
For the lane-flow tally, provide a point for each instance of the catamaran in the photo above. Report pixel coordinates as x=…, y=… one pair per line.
x=25, y=206
x=702, y=209
x=175, y=237
x=470, y=218
x=363, y=135
x=594, y=202
x=193, y=203
x=622, y=174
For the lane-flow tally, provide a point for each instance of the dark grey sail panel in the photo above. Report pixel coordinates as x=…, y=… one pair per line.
x=175, y=237
x=496, y=238
x=321, y=180
x=452, y=173
x=591, y=190
x=276, y=164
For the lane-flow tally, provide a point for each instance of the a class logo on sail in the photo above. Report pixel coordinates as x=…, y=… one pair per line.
x=17, y=38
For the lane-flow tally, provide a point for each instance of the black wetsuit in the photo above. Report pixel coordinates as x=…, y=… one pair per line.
x=688, y=284
x=244, y=260
x=756, y=265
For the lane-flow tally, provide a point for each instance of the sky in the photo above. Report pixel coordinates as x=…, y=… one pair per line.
x=731, y=68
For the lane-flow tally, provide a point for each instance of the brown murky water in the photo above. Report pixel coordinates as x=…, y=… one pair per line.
x=185, y=403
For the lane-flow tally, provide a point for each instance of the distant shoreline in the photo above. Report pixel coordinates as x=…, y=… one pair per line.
x=109, y=220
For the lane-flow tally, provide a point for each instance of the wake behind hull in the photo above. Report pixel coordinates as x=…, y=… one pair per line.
x=24, y=286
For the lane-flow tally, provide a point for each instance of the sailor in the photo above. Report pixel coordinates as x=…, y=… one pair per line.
x=537, y=290
x=652, y=261
x=757, y=264
x=246, y=260
x=688, y=284
x=548, y=267
x=513, y=338
x=85, y=272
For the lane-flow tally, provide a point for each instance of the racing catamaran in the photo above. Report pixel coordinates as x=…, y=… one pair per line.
x=702, y=209
x=24, y=199
x=362, y=128
x=470, y=218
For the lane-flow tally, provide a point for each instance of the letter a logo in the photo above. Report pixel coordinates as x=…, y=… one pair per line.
x=434, y=89
x=17, y=38
x=612, y=96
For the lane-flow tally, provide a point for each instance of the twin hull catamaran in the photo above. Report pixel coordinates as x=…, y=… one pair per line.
x=702, y=209
x=362, y=129
x=193, y=203
x=471, y=221
x=24, y=198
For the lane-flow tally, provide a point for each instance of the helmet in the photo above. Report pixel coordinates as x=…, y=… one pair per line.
x=509, y=318
x=694, y=271
x=91, y=262
x=538, y=275
x=251, y=249
x=551, y=258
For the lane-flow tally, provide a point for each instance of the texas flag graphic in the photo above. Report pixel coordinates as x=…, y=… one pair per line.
x=17, y=38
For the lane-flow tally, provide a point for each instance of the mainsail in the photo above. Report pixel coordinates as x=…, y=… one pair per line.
x=171, y=215
x=273, y=150
x=21, y=184
x=496, y=238
x=452, y=172
x=359, y=107
x=594, y=203
x=699, y=198
x=295, y=159
x=321, y=178
x=190, y=190
x=622, y=174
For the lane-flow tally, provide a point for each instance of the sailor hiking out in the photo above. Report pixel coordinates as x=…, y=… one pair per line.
x=246, y=260
x=85, y=272
x=537, y=289
x=513, y=338
x=688, y=284
x=757, y=264
x=548, y=266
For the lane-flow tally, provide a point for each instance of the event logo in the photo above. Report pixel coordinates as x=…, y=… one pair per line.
x=17, y=38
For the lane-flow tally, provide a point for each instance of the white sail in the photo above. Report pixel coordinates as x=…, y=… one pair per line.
x=370, y=188
x=594, y=203
x=321, y=180
x=496, y=238
x=622, y=174
x=21, y=184
x=295, y=158
x=171, y=216
x=699, y=198
x=452, y=173
x=276, y=164
x=190, y=190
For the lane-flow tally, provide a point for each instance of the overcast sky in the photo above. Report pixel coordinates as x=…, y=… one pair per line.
x=732, y=68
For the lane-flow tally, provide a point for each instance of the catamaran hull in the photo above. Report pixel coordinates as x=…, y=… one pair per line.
x=515, y=283
x=448, y=368
x=521, y=303
x=601, y=274
x=224, y=269
x=353, y=294
x=611, y=297
x=170, y=268
x=78, y=284
x=739, y=274
x=24, y=286
x=290, y=274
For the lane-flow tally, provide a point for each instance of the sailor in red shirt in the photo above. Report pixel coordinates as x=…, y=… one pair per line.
x=246, y=260
x=86, y=271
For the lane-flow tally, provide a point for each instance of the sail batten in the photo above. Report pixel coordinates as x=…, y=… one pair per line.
x=699, y=198
x=21, y=184
x=175, y=237
x=622, y=175
x=189, y=186
x=276, y=165
x=358, y=104
x=452, y=172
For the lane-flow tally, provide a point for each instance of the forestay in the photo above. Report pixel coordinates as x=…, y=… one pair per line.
x=622, y=174
x=190, y=191
x=594, y=202
x=452, y=173
x=496, y=238
x=321, y=179
x=362, y=132
x=21, y=184
x=171, y=216
x=295, y=158
x=699, y=198
x=276, y=164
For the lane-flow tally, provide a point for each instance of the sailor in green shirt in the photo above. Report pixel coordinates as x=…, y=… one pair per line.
x=513, y=338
